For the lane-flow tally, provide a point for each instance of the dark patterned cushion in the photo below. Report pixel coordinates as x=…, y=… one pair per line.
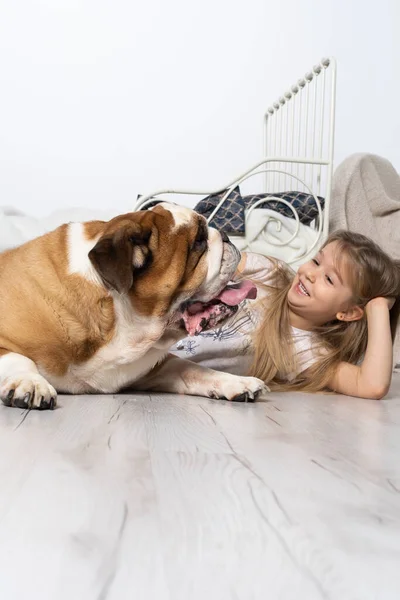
x=304, y=204
x=230, y=216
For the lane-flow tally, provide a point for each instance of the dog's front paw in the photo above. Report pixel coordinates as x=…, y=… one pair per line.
x=238, y=389
x=28, y=390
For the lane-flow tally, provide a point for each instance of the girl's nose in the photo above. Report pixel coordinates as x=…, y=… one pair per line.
x=310, y=276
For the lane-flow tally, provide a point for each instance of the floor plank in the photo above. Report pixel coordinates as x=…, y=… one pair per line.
x=161, y=497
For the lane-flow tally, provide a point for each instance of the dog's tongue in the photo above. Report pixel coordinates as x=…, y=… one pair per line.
x=235, y=294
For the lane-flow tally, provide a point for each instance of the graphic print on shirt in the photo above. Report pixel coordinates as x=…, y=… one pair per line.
x=236, y=327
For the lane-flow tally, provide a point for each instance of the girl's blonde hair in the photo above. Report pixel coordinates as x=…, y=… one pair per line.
x=373, y=273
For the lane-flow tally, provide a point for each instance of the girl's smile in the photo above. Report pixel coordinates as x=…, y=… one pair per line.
x=301, y=289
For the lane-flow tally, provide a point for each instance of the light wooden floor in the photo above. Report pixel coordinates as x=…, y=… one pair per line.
x=160, y=497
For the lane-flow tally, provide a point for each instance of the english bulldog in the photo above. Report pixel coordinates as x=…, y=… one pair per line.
x=94, y=307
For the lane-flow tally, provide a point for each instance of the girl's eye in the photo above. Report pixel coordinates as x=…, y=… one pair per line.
x=315, y=262
x=329, y=280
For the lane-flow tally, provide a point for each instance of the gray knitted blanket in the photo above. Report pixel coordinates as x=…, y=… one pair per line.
x=366, y=199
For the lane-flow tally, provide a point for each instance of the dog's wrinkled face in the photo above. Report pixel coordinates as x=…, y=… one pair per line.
x=170, y=264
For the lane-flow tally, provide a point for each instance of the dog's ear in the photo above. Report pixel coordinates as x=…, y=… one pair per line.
x=117, y=255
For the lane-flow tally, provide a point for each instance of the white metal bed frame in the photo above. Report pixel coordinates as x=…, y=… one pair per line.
x=298, y=155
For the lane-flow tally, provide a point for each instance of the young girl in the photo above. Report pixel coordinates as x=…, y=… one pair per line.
x=330, y=326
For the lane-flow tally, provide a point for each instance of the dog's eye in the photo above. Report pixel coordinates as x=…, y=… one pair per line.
x=201, y=240
x=200, y=245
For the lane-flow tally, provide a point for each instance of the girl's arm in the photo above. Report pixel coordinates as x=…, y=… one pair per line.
x=373, y=377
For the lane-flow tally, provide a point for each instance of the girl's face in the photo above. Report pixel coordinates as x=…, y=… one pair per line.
x=321, y=290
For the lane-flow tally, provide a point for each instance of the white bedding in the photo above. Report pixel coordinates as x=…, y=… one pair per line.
x=17, y=227
x=266, y=230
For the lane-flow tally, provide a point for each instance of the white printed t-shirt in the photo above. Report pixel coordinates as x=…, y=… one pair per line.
x=228, y=347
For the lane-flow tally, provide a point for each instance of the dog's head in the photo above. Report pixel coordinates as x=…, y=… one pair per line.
x=170, y=264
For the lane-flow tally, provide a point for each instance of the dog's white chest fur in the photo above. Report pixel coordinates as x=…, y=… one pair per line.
x=128, y=356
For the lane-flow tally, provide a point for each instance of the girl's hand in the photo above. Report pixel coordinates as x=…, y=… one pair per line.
x=372, y=379
x=380, y=301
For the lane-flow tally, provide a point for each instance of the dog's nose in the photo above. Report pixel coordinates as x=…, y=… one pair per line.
x=224, y=236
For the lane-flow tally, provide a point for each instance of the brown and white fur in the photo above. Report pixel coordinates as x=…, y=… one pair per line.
x=94, y=307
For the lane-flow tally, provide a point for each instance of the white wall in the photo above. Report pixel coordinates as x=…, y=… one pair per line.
x=104, y=99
